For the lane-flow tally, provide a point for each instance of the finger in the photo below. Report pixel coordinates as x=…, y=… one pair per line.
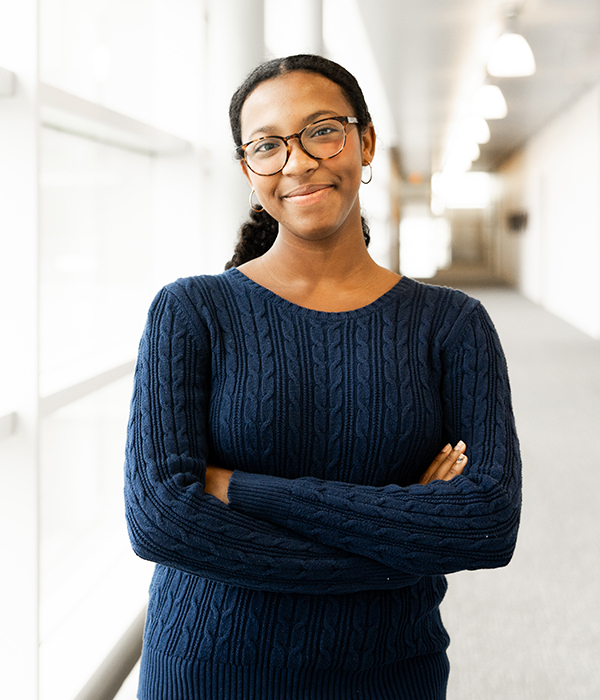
x=451, y=459
x=449, y=463
x=456, y=468
x=441, y=456
x=435, y=465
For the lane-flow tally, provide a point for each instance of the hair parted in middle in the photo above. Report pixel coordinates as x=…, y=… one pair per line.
x=258, y=234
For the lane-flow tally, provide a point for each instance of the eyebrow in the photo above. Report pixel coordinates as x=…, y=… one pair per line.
x=271, y=130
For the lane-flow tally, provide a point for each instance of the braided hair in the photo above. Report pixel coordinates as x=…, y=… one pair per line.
x=258, y=234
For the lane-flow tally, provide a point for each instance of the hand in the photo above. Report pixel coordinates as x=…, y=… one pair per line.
x=217, y=482
x=448, y=464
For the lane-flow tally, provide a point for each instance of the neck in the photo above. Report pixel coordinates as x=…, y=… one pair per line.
x=333, y=260
x=335, y=273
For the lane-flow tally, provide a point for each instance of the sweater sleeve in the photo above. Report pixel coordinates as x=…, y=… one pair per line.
x=172, y=521
x=469, y=522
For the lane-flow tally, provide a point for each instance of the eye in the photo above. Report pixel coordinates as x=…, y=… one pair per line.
x=265, y=147
x=323, y=131
x=326, y=130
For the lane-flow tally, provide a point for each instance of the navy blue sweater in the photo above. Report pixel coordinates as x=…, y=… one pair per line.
x=323, y=576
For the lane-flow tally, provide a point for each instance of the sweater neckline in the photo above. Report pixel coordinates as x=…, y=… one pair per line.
x=373, y=306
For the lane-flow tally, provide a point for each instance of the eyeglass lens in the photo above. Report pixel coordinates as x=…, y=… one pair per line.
x=323, y=139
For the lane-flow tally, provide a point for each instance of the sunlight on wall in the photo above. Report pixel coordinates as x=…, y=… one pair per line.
x=347, y=42
x=472, y=190
x=424, y=245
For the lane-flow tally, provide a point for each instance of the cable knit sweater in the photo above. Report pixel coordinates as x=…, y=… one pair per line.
x=323, y=576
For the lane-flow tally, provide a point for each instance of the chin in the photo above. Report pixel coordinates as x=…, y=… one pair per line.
x=311, y=233
x=314, y=228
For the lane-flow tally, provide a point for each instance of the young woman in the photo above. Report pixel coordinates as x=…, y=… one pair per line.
x=296, y=461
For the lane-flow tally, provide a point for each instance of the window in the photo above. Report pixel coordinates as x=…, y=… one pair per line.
x=101, y=205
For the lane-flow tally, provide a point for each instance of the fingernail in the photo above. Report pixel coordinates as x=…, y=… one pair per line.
x=460, y=445
x=460, y=459
x=447, y=448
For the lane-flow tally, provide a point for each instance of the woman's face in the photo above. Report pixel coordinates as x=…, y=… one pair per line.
x=311, y=199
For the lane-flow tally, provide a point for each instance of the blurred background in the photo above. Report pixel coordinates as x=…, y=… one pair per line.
x=117, y=176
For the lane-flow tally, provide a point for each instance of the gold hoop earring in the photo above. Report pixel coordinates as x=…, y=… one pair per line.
x=366, y=182
x=260, y=207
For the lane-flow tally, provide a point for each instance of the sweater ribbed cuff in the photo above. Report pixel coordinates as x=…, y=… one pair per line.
x=260, y=496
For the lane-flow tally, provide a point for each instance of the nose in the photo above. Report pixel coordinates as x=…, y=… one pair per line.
x=299, y=161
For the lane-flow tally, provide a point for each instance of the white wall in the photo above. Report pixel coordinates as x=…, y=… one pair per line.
x=556, y=179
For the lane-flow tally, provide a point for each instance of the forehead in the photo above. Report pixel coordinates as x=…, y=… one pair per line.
x=283, y=104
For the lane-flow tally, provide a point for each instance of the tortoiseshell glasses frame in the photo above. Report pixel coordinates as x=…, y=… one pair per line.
x=252, y=156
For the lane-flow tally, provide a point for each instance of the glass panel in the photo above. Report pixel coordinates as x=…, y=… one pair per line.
x=91, y=583
x=96, y=258
x=99, y=50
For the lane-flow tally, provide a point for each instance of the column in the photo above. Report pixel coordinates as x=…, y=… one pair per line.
x=310, y=27
x=235, y=46
x=293, y=27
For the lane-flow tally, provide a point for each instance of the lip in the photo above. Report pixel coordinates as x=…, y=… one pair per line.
x=309, y=194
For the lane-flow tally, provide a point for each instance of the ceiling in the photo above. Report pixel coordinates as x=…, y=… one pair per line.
x=431, y=54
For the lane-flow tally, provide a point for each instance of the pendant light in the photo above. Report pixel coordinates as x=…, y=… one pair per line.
x=475, y=127
x=489, y=103
x=511, y=56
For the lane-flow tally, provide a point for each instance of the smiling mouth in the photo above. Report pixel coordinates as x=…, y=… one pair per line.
x=308, y=195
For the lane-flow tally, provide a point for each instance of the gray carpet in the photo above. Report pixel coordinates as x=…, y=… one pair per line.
x=532, y=630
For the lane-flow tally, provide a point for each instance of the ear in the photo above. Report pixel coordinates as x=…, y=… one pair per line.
x=368, y=144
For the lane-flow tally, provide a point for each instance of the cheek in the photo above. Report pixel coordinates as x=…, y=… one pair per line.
x=264, y=191
x=350, y=164
x=351, y=176
x=265, y=194
x=258, y=186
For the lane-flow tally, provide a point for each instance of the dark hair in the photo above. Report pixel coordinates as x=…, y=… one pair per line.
x=258, y=234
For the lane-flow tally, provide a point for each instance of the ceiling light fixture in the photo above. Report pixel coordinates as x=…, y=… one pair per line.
x=457, y=162
x=489, y=103
x=475, y=127
x=511, y=56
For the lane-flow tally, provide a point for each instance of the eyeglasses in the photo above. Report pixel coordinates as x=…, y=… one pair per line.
x=320, y=140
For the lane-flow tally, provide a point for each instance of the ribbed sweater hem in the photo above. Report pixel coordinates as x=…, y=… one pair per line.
x=172, y=678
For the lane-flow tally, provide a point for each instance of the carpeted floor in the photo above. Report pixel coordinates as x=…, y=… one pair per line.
x=531, y=631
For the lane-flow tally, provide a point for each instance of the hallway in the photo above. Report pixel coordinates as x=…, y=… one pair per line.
x=532, y=631
x=118, y=175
